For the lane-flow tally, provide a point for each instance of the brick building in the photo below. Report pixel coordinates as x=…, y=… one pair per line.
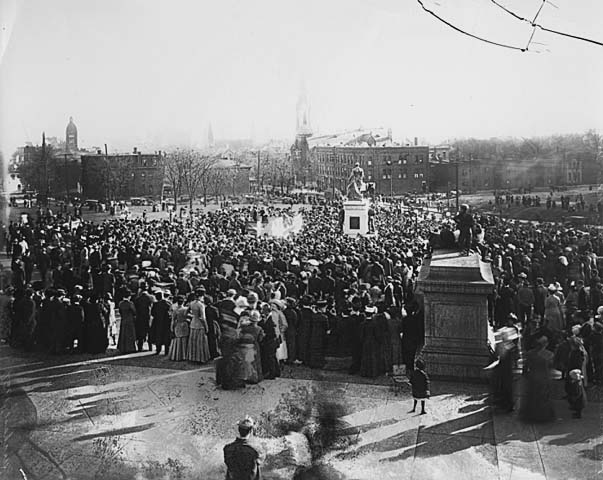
x=393, y=169
x=496, y=173
x=122, y=176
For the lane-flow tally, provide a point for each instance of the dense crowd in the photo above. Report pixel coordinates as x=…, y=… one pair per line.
x=213, y=286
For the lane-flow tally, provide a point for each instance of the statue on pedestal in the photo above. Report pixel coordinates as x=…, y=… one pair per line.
x=356, y=183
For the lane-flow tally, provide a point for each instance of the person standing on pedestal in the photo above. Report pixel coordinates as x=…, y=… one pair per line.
x=465, y=224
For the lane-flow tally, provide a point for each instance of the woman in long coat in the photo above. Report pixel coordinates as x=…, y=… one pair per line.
x=384, y=339
x=180, y=329
x=394, y=328
x=126, y=343
x=553, y=312
x=291, y=314
x=537, y=404
x=95, y=331
x=268, y=346
x=248, y=368
x=198, y=348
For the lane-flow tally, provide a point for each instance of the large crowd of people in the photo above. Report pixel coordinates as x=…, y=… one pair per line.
x=213, y=286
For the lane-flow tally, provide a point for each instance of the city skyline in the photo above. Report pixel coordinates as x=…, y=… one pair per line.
x=147, y=73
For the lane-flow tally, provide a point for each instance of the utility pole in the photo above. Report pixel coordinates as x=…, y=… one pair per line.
x=258, y=175
x=109, y=174
x=457, y=184
x=44, y=157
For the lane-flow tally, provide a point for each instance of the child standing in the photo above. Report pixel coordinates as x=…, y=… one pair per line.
x=419, y=381
x=576, y=395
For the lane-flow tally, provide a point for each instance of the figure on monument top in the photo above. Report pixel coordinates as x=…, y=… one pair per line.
x=356, y=183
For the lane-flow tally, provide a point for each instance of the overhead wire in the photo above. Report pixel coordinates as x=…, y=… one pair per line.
x=549, y=30
x=460, y=30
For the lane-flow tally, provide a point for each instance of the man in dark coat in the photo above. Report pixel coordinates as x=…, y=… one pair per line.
x=160, y=334
x=212, y=315
x=465, y=224
x=143, y=303
x=242, y=457
x=318, y=336
x=304, y=328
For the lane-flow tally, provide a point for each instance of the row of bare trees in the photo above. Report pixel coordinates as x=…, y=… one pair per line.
x=193, y=174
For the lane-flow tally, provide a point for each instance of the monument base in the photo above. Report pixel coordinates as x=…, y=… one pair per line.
x=455, y=290
x=356, y=218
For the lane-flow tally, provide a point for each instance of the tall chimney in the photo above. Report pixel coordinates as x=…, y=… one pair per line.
x=135, y=149
x=416, y=141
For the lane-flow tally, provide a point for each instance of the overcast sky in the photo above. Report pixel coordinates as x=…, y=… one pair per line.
x=152, y=72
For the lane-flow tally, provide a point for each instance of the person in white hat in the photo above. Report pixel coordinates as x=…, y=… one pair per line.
x=553, y=312
x=242, y=457
x=576, y=394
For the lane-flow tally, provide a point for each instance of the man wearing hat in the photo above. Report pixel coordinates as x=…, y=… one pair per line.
x=241, y=457
x=318, y=335
x=525, y=301
x=465, y=224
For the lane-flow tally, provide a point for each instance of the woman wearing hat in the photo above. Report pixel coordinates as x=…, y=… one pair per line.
x=246, y=364
x=291, y=316
x=180, y=329
x=197, y=346
x=95, y=332
x=269, y=345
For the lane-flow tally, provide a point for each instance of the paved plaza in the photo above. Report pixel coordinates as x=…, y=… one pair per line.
x=141, y=416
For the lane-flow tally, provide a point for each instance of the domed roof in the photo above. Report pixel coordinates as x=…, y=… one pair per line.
x=71, y=126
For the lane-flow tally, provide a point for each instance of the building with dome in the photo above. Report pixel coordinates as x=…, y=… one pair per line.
x=71, y=136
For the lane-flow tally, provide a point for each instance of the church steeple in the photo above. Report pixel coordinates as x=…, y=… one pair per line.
x=303, y=127
x=210, y=136
x=71, y=136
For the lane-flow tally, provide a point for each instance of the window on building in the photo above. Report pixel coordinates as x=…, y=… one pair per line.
x=370, y=162
x=416, y=175
x=404, y=175
x=420, y=175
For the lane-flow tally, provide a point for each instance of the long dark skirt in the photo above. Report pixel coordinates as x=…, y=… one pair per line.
x=126, y=342
x=536, y=403
x=270, y=366
x=95, y=337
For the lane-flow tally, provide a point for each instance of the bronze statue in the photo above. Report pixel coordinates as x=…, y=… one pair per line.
x=356, y=183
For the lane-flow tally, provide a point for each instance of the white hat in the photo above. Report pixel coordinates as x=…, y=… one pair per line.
x=241, y=302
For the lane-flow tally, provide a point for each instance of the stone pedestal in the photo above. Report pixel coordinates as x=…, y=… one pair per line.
x=455, y=290
x=356, y=218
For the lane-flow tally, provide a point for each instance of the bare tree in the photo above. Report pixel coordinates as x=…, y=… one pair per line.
x=175, y=172
x=197, y=168
x=218, y=182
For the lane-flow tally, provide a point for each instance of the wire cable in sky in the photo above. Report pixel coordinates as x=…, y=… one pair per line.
x=544, y=29
x=467, y=33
